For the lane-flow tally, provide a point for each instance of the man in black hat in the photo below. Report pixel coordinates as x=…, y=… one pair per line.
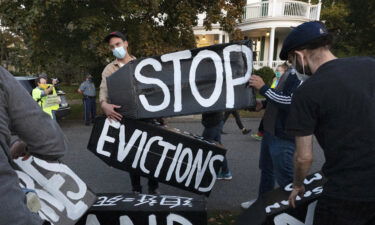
x=118, y=43
x=337, y=104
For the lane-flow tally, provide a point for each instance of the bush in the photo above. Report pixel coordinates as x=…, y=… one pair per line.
x=266, y=73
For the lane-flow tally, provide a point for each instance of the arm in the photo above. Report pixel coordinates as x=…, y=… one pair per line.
x=303, y=159
x=108, y=109
x=282, y=99
x=42, y=135
x=81, y=88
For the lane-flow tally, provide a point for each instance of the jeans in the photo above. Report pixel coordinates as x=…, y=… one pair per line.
x=214, y=134
x=89, y=105
x=276, y=162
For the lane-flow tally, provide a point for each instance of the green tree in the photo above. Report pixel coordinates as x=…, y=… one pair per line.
x=64, y=37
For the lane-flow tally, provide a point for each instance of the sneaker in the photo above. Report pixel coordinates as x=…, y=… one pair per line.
x=227, y=176
x=220, y=176
x=246, y=131
x=222, y=132
x=256, y=137
x=246, y=205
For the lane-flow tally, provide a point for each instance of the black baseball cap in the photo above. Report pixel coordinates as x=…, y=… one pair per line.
x=115, y=34
x=302, y=35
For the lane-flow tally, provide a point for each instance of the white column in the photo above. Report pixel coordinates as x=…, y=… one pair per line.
x=271, y=49
x=319, y=9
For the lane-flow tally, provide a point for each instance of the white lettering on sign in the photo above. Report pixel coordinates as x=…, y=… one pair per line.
x=184, y=165
x=230, y=82
x=171, y=219
x=148, y=80
x=286, y=219
x=53, y=199
x=316, y=177
x=177, y=57
x=219, y=77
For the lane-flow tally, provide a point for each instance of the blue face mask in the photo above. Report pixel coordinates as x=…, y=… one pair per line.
x=278, y=74
x=119, y=52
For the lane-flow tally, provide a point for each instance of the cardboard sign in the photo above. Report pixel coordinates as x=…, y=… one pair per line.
x=187, y=82
x=273, y=207
x=64, y=196
x=170, y=157
x=132, y=209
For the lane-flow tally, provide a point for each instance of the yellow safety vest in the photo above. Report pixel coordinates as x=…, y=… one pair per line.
x=47, y=103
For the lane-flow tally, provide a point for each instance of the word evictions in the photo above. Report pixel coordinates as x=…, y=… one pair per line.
x=176, y=58
x=171, y=219
x=53, y=200
x=182, y=156
x=316, y=191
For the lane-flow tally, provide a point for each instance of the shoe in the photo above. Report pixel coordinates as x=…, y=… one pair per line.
x=222, y=132
x=136, y=192
x=153, y=192
x=227, y=176
x=246, y=205
x=256, y=137
x=246, y=131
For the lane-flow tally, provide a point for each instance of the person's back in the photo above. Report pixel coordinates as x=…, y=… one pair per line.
x=342, y=92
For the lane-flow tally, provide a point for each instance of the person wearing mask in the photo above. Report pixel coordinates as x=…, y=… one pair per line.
x=46, y=96
x=277, y=147
x=88, y=90
x=337, y=105
x=20, y=115
x=118, y=44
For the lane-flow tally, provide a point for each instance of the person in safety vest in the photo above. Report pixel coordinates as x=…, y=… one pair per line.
x=46, y=96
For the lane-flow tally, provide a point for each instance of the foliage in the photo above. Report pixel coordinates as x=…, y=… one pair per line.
x=266, y=73
x=64, y=38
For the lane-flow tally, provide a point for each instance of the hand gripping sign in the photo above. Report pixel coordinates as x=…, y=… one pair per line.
x=64, y=196
x=273, y=207
x=172, y=157
x=193, y=81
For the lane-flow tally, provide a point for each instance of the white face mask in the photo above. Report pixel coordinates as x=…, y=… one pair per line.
x=119, y=52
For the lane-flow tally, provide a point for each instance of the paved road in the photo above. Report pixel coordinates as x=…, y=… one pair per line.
x=243, y=155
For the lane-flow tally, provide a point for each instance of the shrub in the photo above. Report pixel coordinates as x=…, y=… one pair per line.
x=266, y=73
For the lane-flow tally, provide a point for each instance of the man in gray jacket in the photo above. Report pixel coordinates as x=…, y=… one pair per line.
x=21, y=115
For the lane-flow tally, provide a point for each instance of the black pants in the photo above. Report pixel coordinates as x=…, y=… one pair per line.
x=236, y=116
x=136, y=183
x=89, y=105
x=330, y=211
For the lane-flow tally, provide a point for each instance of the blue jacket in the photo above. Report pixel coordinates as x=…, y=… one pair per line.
x=282, y=99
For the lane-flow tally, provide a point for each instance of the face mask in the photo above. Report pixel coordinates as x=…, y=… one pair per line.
x=119, y=52
x=278, y=74
x=301, y=69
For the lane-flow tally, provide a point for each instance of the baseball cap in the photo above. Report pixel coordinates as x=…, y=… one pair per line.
x=115, y=34
x=302, y=35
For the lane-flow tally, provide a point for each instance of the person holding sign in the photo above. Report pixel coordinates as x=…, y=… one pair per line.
x=21, y=115
x=337, y=105
x=118, y=44
x=277, y=147
x=46, y=96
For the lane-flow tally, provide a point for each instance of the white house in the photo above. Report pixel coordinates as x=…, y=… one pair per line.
x=266, y=23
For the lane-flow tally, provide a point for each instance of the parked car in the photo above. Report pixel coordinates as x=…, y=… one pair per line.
x=29, y=84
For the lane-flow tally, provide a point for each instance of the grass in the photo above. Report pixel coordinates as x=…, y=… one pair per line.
x=71, y=91
x=222, y=218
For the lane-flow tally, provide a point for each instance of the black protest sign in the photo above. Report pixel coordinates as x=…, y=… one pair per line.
x=64, y=196
x=132, y=209
x=170, y=157
x=187, y=82
x=273, y=207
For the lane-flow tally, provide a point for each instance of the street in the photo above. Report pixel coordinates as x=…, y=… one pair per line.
x=242, y=155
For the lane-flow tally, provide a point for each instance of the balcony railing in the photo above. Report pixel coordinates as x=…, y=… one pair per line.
x=282, y=8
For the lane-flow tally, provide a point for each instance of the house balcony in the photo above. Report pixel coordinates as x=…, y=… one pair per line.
x=278, y=13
